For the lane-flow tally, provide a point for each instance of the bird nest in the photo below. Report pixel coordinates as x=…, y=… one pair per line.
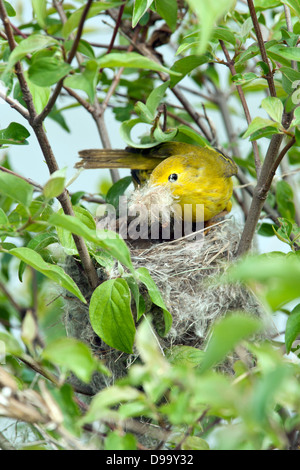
x=187, y=272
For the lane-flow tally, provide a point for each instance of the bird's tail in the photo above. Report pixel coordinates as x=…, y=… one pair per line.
x=114, y=158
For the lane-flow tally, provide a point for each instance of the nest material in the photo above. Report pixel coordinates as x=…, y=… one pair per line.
x=185, y=272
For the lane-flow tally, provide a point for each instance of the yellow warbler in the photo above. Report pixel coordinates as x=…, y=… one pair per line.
x=195, y=175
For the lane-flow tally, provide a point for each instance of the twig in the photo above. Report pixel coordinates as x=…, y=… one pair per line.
x=262, y=48
x=33, y=183
x=244, y=105
x=118, y=22
x=42, y=116
x=37, y=125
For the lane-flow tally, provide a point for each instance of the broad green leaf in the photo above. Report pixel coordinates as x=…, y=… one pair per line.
x=47, y=71
x=64, y=233
x=55, y=185
x=290, y=79
x=38, y=244
x=259, y=123
x=185, y=355
x=40, y=11
x=138, y=298
x=275, y=277
x=40, y=95
x=3, y=217
x=12, y=346
x=74, y=19
x=156, y=97
x=285, y=199
x=86, y=80
x=132, y=60
x=194, y=443
x=208, y=14
x=14, y=134
x=186, y=65
x=16, y=188
x=167, y=9
x=265, y=391
x=120, y=441
x=139, y=9
x=73, y=355
x=117, y=190
x=125, y=133
x=274, y=108
x=109, y=241
x=53, y=272
x=292, y=330
x=225, y=336
x=109, y=397
x=110, y=314
x=9, y=9
x=33, y=43
x=290, y=53
x=192, y=134
x=142, y=275
x=225, y=34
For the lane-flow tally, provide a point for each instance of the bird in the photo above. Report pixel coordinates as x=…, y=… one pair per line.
x=195, y=175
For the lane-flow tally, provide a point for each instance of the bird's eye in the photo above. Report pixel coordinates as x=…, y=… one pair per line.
x=173, y=177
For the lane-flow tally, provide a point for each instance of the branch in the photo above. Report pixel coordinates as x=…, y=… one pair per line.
x=42, y=116
x=231, y=66
x=48, y=154
x=262, y=48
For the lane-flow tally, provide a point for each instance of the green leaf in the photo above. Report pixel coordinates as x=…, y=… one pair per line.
x=132, y=60
x=3, y=218
x=208, y=14
x=225, y=336
x=138, y=298
x=40, y=11
x=125, y=133
x=274, y=108
x=12, y=346
x=167, y=9
x=292, y=330
x=142, y=275
x=259, y=123
x=186, y=65
x=53, y=272
x=119, y=441
x=285, y=199
x=290, y=53
x=156, y=97
x=185, y=355
x=110, y=314
x=16, y=188
x=73, y=355
x=40, y=95
x=38, y=244
x=139, y=9
x=34, y=43
x=86, y=81
x=74, y=19
x=117, y=190
x=274, y=276
x=192, y=134
x=64, y=233
x=225, y=34
x=46, y=71
x=109, y=241
x=14, y=134
x=55, y=185
x=9, y=9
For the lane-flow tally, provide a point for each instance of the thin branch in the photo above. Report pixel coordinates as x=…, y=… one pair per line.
x=48, y=154
x=262, y=48
x=33, y=183
x=42, y=116
x=14, y=104
x=244, y=105
x=118, y=22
